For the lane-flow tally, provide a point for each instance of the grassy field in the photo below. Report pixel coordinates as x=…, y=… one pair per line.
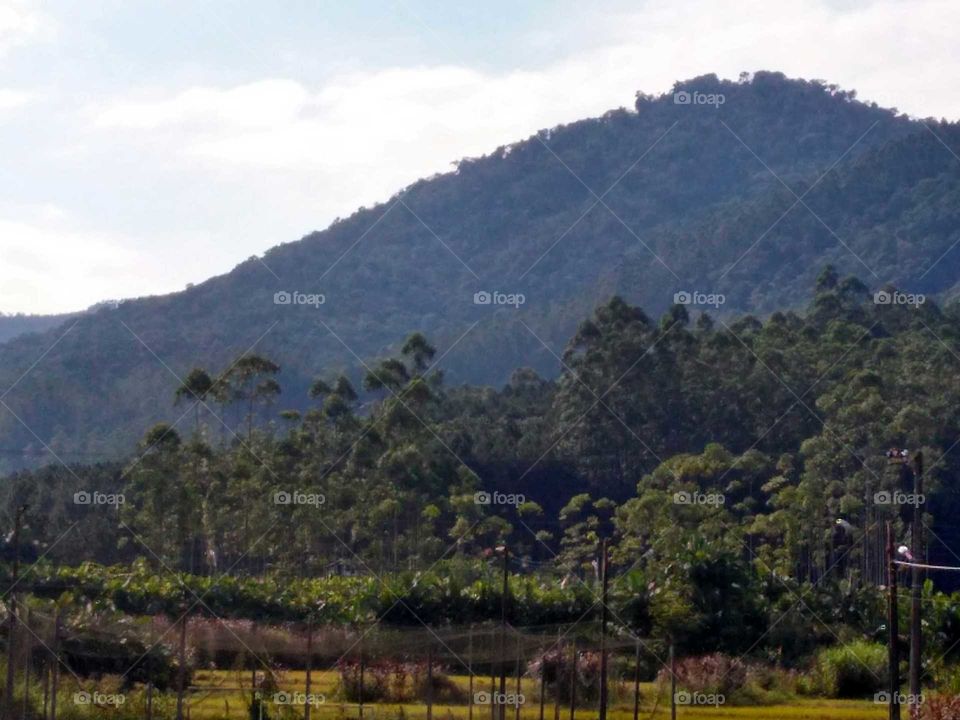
x=217, y=697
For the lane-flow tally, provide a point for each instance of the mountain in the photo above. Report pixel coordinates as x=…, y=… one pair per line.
x=20, y=324
x=736, y=189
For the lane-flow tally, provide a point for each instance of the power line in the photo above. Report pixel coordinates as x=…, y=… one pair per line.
x=924, y=566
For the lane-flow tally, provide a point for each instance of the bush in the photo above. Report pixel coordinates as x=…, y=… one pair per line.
x=557, y=667
x=941, y=707
x=714, y=674
x=397, y=682
x=376, y=682
x=855, y=670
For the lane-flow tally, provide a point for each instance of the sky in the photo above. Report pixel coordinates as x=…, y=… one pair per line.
x=144, y=146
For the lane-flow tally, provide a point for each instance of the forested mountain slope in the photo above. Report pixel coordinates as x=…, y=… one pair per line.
x=644, y=203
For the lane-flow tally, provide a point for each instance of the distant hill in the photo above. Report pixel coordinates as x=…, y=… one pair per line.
x=13, y=325
x=668, y=197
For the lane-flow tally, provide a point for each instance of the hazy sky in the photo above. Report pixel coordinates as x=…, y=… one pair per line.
x=147, y=145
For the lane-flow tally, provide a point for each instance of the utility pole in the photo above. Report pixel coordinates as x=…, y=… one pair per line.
x=673, y=683
x=309, y=667
x=182, y=666
x=503, y=632
x=916, y=540
x=12, y=620
x=893, y=648
x=603, y=630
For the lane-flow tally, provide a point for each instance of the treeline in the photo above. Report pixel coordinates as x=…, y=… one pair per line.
x=731, y=466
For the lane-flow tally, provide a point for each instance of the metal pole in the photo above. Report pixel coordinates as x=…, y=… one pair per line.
x=55, y=680
x=573, y=680
x=12, y=620
x=26, y=671
x=430, y=681
x=516, y=712
x=636, y=684
x=182, y=670
x=362, y=668
x=603, y=631
x=150, y=670
x=543, y=681
x=893, y=650
x=493, y=683
x=916, y=629
x=556, y=681
x=503, y=634
x=673, y=684
x=470, y=668
x=309, y=666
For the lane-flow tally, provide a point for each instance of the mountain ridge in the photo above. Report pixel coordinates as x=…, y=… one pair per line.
x=684, y=190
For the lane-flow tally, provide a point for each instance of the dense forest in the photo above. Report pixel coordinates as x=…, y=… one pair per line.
x=747, y=200
x=733, y=465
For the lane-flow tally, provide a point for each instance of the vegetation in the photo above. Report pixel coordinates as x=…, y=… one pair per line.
x=520, y=219
x=737, y=469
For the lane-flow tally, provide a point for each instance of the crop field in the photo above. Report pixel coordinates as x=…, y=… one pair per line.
x=222, y=695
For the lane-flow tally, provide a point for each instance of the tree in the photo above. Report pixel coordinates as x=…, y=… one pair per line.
x=195, y=388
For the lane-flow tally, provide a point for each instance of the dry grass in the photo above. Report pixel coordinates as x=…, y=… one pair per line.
x=229, y=703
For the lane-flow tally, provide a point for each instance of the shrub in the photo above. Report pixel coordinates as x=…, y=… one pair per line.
x=710, y=674
x=557, y=666
x=376, y=685
x=445, y=690
x=387, y=681
x=941, y=707
x=855, y=670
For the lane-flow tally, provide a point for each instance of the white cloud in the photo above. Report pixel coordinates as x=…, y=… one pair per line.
x=255, y=163
x=267, y=103
x=14, y=99
x=50, y=268
x=411, y=121
x=21, y=23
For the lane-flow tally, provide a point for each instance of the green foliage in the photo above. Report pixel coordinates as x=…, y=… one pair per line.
x=699, y=200
x=853, y=670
